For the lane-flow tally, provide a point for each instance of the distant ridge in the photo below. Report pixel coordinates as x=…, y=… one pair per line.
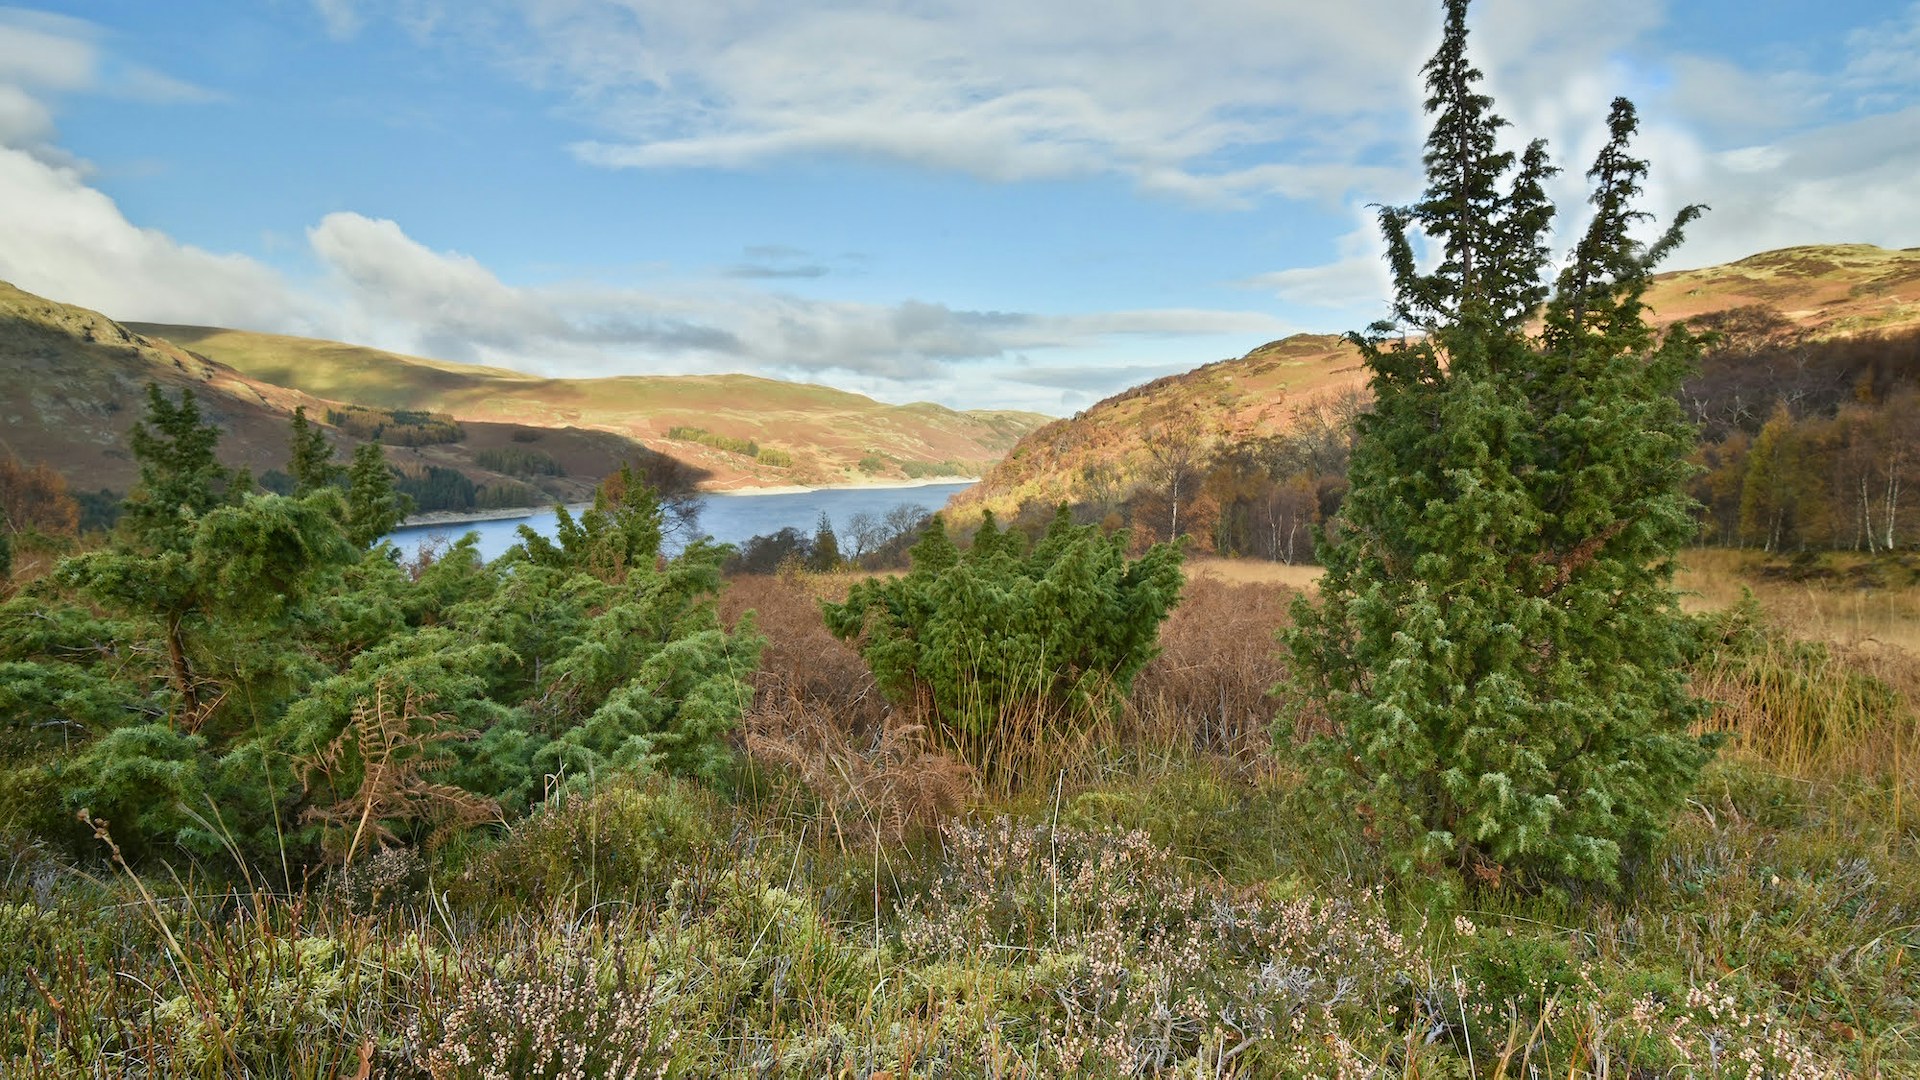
x=1820, y=291
x=75, y=382
x=815, y=434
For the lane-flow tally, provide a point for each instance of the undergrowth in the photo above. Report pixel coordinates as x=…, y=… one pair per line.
x=1169, y=901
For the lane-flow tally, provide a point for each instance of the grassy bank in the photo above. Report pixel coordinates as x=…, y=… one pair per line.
x=1164, y=897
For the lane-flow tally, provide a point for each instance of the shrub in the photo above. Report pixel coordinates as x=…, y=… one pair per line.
x=1005, y=647
x=1499, y=647
x=630, y=841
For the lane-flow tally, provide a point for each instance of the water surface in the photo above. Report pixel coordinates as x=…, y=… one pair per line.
x=730, y=518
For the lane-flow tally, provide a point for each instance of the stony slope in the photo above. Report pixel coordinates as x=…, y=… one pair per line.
x=826, y=432
x=1821, y=291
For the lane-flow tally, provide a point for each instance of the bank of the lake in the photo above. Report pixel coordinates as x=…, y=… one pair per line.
x=727, y=516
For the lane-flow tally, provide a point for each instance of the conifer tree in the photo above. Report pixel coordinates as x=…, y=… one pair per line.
x=310, y=456
x=374, y=508
x=826, y=546
x=180, y=478
x=1497, y=644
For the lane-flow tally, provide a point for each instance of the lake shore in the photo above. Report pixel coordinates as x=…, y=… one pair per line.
x=472, y=517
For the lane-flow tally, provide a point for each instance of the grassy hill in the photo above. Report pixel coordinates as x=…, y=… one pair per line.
x=816, y=434
x=76, y=383
x=1817, y=292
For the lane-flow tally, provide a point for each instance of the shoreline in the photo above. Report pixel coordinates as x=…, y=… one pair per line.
x=474, y=517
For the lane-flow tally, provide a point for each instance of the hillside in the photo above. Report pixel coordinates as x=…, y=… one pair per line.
x=806, y=434
x=1817, y=293
x=76, y=383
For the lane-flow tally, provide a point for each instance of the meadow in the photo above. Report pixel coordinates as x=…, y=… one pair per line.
x=1161, y=897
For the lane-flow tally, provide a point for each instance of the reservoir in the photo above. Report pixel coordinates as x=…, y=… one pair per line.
x=727, y=517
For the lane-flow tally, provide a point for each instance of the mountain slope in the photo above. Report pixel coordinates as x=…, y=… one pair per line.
x=75, y=382
x=826, y=433
x=1819, y=292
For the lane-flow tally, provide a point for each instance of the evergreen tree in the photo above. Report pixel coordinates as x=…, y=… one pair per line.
x=310, y=456
x=1004, y=646
x=826, y=547
x=374, y=508
x=1497, y=644
x=180, y=478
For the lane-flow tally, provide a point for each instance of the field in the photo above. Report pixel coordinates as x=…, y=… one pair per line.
x=1163, y=897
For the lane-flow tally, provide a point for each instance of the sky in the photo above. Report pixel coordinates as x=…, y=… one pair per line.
x=991, y=204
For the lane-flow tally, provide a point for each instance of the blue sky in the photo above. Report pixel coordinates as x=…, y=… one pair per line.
x=997, y=203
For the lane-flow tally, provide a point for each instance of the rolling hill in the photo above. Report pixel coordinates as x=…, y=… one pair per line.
x=75, y=382
x=812, y=434
x=1818, y=292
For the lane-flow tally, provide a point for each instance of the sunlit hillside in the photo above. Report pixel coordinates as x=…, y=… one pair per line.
x=1818, y=292
x=801, y=433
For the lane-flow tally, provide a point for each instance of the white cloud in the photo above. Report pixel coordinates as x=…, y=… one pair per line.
x=402, y=295
x=65, y=240
x=1167, y=95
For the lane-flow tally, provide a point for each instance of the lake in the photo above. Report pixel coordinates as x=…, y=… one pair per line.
x=728, y=517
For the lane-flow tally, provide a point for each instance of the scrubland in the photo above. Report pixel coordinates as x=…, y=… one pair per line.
x=1160, y=897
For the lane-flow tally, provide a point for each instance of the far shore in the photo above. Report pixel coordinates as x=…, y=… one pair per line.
x=470, y=517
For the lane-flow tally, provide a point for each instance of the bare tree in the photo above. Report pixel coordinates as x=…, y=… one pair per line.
x=1179, y=453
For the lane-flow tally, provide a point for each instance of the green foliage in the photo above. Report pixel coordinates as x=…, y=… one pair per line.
x=434, y=487
x=310, y=461
x=518, y=461
x=180, y=479
x=1497, y=645
x=1002, y=643
x=223, y=693
x=374, y=508
x=397, y=427
x=630, y=840
x=825, y=556
x=729, y=443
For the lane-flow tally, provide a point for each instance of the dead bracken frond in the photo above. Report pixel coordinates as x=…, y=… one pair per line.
x=390, y=750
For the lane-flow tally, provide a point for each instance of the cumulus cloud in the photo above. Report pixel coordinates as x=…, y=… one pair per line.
x=63, y=238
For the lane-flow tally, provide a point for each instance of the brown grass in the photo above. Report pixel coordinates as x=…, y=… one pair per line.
x=818, y=724
x=1711, y=579
x=818, y=717
x=1207, y=691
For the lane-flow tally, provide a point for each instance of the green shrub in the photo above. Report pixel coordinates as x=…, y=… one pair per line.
x=630, y=841
x=1498, y=646
x=1007, y=647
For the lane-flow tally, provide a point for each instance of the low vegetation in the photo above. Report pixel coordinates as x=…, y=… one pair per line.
x=1170, y=901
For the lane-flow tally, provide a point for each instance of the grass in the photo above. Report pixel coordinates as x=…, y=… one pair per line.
x=1165, y=900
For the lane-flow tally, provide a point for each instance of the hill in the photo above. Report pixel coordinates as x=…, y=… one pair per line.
x=742, y=430
x=1814, y=293
x=76, y=383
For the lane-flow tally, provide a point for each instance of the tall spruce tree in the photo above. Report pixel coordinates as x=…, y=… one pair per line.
x=310, y=456
x=374, y=508
x=1497, y=644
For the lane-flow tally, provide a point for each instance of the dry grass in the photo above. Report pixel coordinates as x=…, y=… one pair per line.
x=819, y=726
x=1297, y=576
x=1712, y=579
x=1208, y=690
